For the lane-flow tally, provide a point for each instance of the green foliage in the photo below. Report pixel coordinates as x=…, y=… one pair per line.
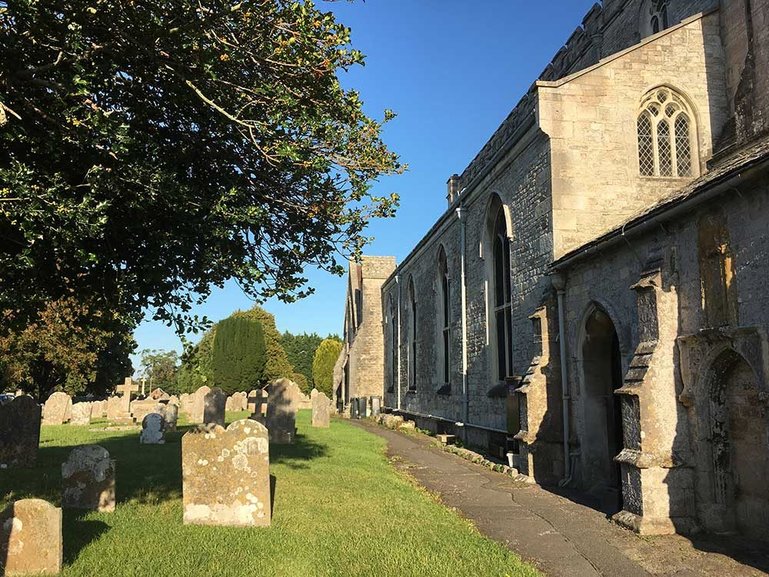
x=323, y=365
x=151, y=150
x=300, y=350
x=277, y=365
x=302, y=382
x=195, y=370
x=160, y=369
x=238, y=359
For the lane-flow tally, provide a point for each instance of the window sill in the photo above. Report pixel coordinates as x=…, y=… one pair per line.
x=444, y=391
x=411, y=391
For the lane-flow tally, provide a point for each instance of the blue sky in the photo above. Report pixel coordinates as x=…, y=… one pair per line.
x=452, y=70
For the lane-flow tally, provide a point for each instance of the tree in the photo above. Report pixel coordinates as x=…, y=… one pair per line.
x=69, y=346
x=195, y=370
x=152, y=150
x=238, y=359
x=323, y=365
x=300, y=350
x=160, y=369
x=277, y=365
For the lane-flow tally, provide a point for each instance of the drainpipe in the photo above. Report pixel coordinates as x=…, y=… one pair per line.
x=463, y=291
x=398, y=282
x=559, y=284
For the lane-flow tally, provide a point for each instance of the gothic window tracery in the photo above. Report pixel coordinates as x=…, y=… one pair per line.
x=665, y=135
x=502, y=296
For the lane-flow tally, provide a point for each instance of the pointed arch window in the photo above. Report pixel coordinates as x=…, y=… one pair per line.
x=444, y=318
x=654, y=16
x=412, y=304
x=393, y=334
x=502, y=297
x=665, y=135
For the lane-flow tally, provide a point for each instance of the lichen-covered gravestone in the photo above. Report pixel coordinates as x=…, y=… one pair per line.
x=30, y=538
x=321, y=410
x=19, y=432
x=153, y=430
x=214, y=404
x=88, y=479
x=281, y=411
x=115, y=409
x=58, y=409
x=98, y=409
x=170, y=414
x=142, y=408
x=226, y=475
x=81, y=414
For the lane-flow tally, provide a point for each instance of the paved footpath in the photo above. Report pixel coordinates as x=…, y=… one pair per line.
x=560, y=536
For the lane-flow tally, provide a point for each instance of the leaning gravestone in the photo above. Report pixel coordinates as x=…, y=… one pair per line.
x=153, y=430
x=214, y=404
x=226, y=475
x=321, y=410
x=281, y=411
x=19, y=432
x=81, y=414
x=88, y=479
x=30, y=538
x=198, y=405
x=170, y=414
x=57, y=409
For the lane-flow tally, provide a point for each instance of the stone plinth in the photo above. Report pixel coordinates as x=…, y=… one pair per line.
x=226, y=475
x=88, y=479
x=30, y=538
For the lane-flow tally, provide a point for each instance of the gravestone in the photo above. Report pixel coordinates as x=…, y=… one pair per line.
x=115, y=409
x=30, y=538
x=153, y=429
x=321, y=410
x=88, y=479
x=57, y=409
x=170, y=414
x=81, y=414
x=281, y=411
x=237, y=402
x=174, y=400
x=254, y=401
x=213, y=407
x=98, y=410
x=126, y=389
x=198, y=405
x=314, y=393
x=159, y=394
x=376, y=406
x=185, y=404
x=19, y=432
x=226, y=475
x=142, y=408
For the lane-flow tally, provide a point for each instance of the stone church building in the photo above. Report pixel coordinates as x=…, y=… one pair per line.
x=595, y=298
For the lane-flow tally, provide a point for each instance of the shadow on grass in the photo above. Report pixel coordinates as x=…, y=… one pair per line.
x=78, y=533
x=297, y=455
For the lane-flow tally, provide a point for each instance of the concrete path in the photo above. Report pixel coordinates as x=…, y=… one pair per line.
x=560, y=536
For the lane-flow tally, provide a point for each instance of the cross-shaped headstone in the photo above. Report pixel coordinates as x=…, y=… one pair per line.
x=126, y=389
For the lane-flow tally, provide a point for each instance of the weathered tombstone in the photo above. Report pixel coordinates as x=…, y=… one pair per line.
x=115, y=409
x=230, y=404
x=197, y=408
x=81, y=414
x=174, y=400
x=31, y=538
x=140, y=409
x=159, y=394
x=226, y=475
x=153, y=430
x=19, y=432
x=170, y=414
x=281, y=411
x=58, y=409
x=321, y=410
x=126, y=389
x=88, y=479
x=376, y=406
x=314, y=393
x=185, y=404
x=213, y=406
x=254, y=401
x=98, y=409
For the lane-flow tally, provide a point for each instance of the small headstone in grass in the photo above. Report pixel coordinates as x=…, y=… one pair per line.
x=226, y=475
x=30, y=538
x=170, y=414
x=237, y=402
x=321, y=410
x=142, y=408
x=198, y=405
x=213, y=406
x=153, y=430
x=81, y=414
x=88, y=479
x=185, y=404
x=281, y=411
x=376, y=406
x=115, y=409
x=57, y=409
x=19, y=432
x=98, y=409
x=314, y=393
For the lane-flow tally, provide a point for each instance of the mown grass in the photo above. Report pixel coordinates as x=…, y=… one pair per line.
x=340, y=509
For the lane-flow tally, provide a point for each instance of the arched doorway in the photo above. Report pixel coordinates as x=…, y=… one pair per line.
x=739, y=452
x=602, y=375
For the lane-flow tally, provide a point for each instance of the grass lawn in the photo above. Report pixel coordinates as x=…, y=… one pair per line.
x=340, y=509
